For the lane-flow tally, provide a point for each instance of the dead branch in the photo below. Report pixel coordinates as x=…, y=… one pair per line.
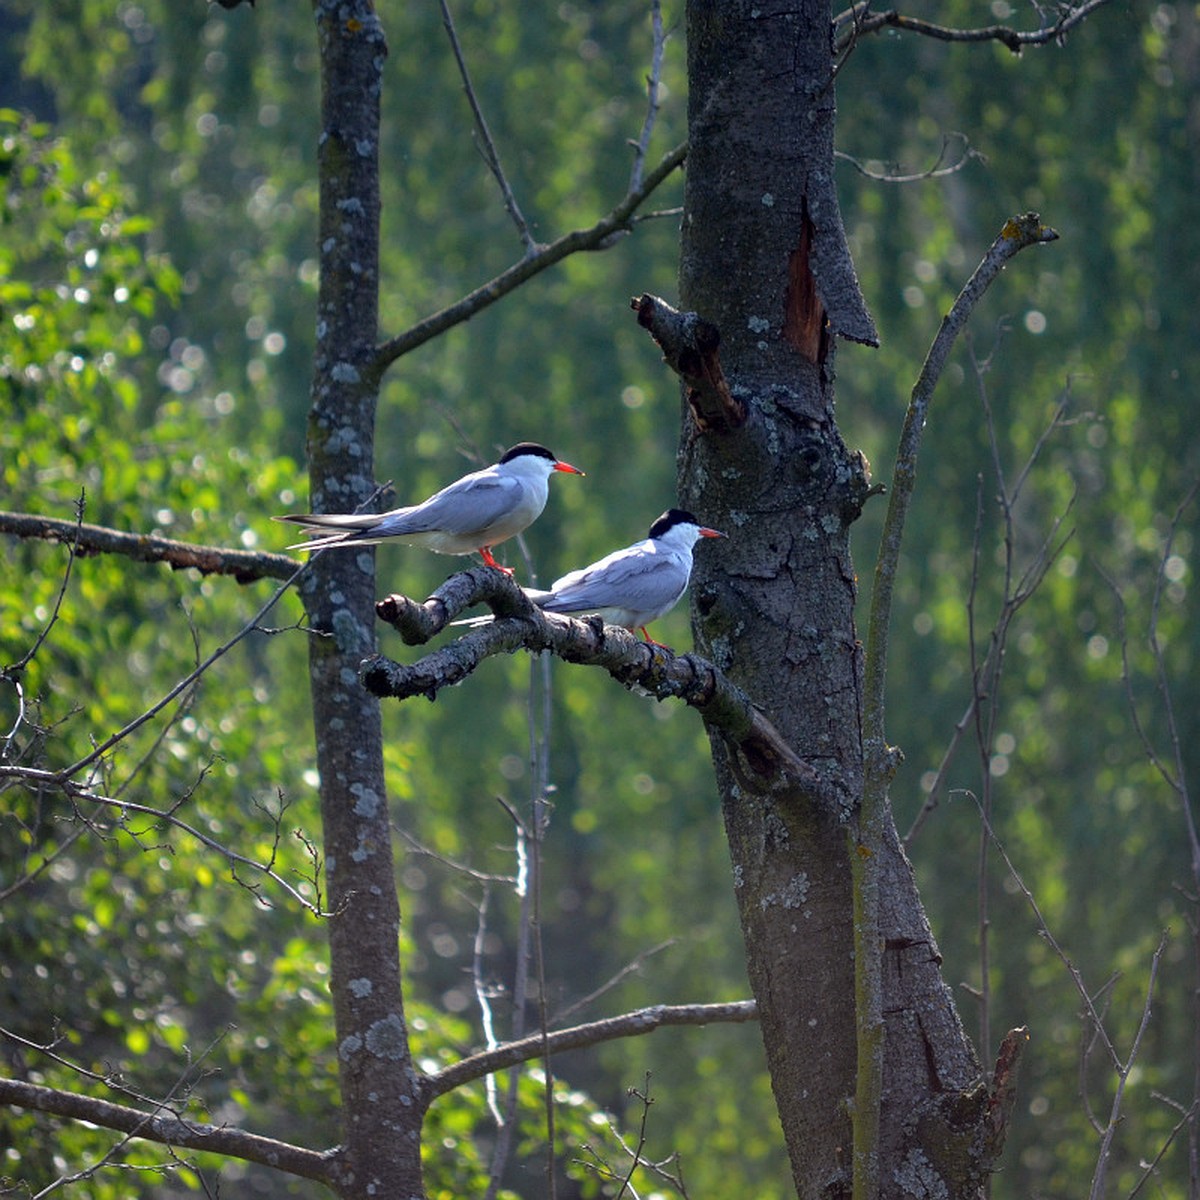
x=245, y=566
x=1018, y=234
x=653, y=83
x=689, y=344
x=850, y=25
x=632, y=1024
x=1002, y=1095
x=633, y=663
x=168, y=1128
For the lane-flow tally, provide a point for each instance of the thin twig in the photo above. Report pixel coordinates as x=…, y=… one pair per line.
x=1044, y=930
x=1188, y=1115
x=72, y=544
x=188, y=680
x=418, y=847
x=1123, y=1072
x=937, y=171
x=634, y=965
x=653, y=80
x=488, y=146
x=635, y=1155
x=32, y=776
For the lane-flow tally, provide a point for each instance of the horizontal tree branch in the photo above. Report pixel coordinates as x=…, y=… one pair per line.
x=856, y=21
x=632, y=1024
x=632, y=662
x=169, y=1129
x=596, y=238
x=245, y=566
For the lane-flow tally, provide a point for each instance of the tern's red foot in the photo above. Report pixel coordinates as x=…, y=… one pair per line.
x=486, y=554
x=651, y=642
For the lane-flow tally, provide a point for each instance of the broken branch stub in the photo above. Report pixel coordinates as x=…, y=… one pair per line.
x=689, y=344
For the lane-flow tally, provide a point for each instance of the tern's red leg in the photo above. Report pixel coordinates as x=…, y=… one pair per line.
x=650, y=641
x=485, y=552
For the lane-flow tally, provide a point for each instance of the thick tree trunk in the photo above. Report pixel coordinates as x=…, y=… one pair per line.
x=380, y=1150
x=764, y=259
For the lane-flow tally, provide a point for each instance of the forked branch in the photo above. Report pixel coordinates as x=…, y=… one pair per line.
x=598, y=237
x=520, y=625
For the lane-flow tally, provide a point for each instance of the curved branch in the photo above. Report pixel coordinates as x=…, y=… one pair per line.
x=632, y=1024
x=966, y=155
x=881, y=761
x=596, y=238
x=245, y=566
x=854, y=22
x=169, y=1129
x=632, y=662
x=1018, y=234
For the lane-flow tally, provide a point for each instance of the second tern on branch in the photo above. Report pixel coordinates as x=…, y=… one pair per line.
x=629, y=587
x=473, y=513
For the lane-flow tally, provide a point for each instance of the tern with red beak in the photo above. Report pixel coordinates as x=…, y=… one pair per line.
x=629, y=587
x=474, y=513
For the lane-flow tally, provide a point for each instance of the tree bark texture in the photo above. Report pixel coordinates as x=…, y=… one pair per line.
x=764, y=261
x=381, y=1113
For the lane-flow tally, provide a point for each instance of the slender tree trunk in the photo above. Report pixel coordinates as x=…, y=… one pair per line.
x=380, y=1144
x=764, y=259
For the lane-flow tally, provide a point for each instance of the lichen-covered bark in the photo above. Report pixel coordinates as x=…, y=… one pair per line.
x=764, y=260
x=380, y=1148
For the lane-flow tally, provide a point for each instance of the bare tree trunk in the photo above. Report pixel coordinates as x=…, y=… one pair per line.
x=380, y=1145
x=764, y=259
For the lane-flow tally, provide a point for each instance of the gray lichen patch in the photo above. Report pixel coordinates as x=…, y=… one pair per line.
x=387, y=1038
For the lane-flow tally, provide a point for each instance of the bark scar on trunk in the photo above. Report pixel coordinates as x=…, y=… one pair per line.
x=805, y=324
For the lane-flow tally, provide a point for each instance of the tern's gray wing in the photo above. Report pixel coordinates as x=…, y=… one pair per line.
x=640, y=579
x=472, y=503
